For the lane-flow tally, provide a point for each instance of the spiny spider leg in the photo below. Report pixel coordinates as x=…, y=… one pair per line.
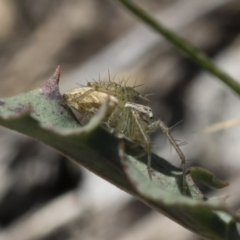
x=138, y=121
x=146, y=140
x=128, y=122
x=143, y=116
x=160, y=124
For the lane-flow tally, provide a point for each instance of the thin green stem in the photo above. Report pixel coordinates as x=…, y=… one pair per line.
x=192, y=52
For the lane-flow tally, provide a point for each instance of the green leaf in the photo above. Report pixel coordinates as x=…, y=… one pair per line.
x=42, y=115
x=208, y=178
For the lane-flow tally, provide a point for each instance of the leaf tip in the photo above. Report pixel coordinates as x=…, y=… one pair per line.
x=51, y=89
x=206, y=177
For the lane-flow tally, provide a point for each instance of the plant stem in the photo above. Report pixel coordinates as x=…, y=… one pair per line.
x=192, y=52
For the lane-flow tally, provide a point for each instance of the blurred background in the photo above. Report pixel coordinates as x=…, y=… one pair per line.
x=43, y=195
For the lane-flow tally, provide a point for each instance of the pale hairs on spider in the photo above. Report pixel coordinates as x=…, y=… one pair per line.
x=134, y=121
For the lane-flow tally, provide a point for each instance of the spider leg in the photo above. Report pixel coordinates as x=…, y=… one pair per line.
x=145, y=141
x=160, y=124
x=127, y=121
x=115, y=119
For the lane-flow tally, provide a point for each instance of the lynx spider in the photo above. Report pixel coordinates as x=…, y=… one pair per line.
x=134, y=121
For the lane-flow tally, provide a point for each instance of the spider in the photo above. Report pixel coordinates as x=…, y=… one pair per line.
x=124, y=116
